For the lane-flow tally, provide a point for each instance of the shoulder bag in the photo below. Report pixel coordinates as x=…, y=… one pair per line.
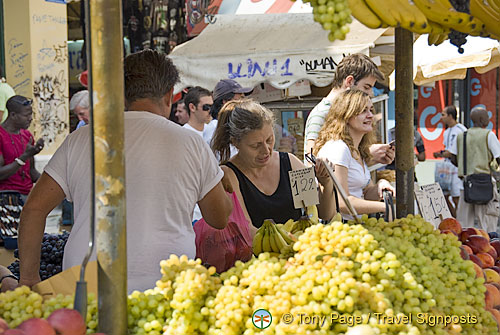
x=478, y=187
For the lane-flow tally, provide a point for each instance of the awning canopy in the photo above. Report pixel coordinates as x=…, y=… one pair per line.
x=280, y=49
x=432, y=63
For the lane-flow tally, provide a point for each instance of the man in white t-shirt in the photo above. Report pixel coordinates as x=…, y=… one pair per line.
x=482, y=146
x=357, y=71
x=453, y=128
x=168, y=171
x=198, y=101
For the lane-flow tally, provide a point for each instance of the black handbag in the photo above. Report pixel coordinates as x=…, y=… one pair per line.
x=478, y=187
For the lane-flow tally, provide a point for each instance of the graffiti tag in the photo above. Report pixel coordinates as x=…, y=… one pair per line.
x=317, y=66
x=270, y=68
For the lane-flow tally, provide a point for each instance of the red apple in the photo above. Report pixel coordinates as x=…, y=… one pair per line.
x=487, y=260
x=467, y=248
x=452, y=225
x=463, y=253
x=464, y=235
x=476, y=260
x=37, y=326
x=67, y=321
x=496, y=244
x=478, y=243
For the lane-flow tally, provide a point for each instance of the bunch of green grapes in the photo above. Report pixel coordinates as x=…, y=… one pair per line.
x=188, y=284
x=333, y=15
x=247, y=287
x=148, y=311
x=432, y=279
x=19, y=305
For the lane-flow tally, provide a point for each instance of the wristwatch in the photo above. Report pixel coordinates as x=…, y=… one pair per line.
x=19, y=161
x=8, y=276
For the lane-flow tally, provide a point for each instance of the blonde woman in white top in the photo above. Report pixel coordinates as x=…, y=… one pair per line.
x=344, y=140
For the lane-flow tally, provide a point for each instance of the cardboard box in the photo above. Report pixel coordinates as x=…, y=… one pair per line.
x=65, y=282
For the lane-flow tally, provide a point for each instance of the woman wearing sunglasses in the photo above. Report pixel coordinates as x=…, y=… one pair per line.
x=257, y=173
x=344, y=140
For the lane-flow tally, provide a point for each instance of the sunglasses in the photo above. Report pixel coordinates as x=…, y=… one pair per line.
x=26, y=102
x=206, y=107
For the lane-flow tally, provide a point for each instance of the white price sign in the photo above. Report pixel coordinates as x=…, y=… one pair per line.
x=432, y=203
x=304, y=187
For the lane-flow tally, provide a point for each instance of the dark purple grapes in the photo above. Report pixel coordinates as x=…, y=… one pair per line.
x=457, y=38
x=51, y=256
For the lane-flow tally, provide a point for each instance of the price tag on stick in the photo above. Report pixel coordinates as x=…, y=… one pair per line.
x=432, y=204
x=304, y=187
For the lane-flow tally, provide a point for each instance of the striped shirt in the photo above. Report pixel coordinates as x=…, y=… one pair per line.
x=316, y=119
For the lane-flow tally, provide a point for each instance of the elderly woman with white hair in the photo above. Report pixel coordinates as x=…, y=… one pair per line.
x=79, y=104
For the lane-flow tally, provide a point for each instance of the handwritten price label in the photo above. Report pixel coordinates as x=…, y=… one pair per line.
x=432, y=203
x=304, y=187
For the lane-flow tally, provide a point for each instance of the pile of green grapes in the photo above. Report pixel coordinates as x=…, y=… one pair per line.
x=333, y=15
x=401, y=277
x=22, y=304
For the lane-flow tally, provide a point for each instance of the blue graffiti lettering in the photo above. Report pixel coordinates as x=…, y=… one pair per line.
x=253, y=68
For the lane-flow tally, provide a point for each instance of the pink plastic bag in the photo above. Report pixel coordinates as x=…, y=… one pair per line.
x=223, y=247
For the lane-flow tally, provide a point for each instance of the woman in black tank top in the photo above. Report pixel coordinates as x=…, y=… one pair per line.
x=257, y=173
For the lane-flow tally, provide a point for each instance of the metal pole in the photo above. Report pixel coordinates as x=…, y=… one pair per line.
x=108, y=121
x=404, y=123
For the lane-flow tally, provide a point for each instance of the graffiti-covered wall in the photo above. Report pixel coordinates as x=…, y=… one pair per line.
x=37, y=64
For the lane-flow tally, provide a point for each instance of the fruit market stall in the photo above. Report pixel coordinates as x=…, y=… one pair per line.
x=400, y=277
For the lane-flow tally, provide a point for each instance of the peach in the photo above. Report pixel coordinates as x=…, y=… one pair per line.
x=494, y=293
x=496, y=315
x=37, y=326
x=464, y=235
x=478, y=243
x=3, y=325
x=488, y=298
x=467, y=248
x=463, y=253
x=476, y=260
x=496, y=244
x=483, y=233
x=491, y=276
x=492, y=252
x=487, y=260
x=14, y=332
x=452, y=225
x=67, y=321
x=496, y=268
x=479, y=271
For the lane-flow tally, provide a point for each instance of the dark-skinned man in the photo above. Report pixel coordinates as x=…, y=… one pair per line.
x=18, y=148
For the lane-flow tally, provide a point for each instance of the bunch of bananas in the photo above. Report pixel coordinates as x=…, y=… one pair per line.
x=434, y=17
x=272, y=238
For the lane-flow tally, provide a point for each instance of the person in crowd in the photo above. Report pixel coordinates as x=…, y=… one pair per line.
x=169, y=170
x=453, y=128
x=482, y=146
x=257, y=173
x=225, y=90
x=8, y=281
x=18, y=148
x=181, y=113
x=356, y=71
x=198, y=102
x=6, y=92
x=344, y=140
x=80, y=106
